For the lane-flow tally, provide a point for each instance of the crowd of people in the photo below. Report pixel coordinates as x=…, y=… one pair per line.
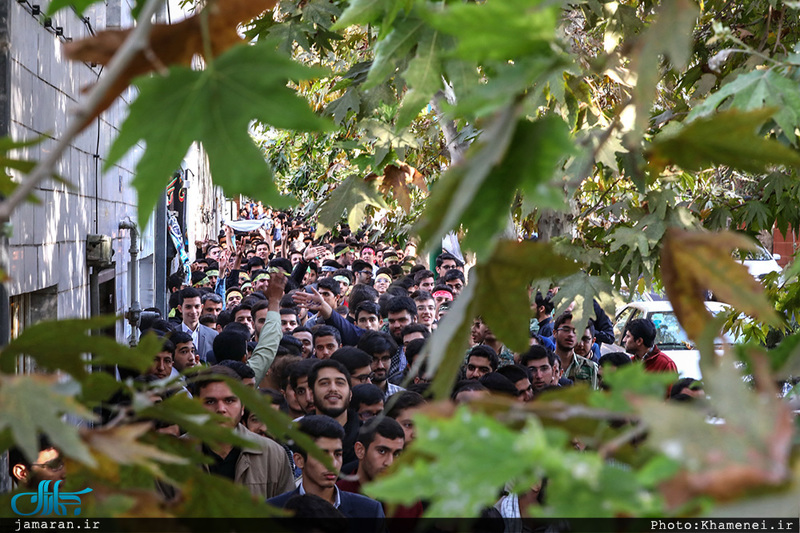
x=331, y=331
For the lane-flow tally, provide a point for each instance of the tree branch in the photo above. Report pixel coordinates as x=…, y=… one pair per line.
x=137, y=41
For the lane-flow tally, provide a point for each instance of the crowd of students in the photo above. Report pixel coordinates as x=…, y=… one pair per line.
x=331, y=331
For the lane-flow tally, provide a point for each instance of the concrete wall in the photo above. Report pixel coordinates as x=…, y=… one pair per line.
x=48, y=245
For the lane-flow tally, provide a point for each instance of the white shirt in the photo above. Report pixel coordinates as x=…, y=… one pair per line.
x=195, y=334
x=337, y=501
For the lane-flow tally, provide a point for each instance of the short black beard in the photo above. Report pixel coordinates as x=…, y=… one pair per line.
x=333, y=413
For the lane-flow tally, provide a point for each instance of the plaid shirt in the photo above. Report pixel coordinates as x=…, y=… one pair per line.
x=582, y=369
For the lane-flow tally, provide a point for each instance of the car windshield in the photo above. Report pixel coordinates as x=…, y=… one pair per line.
x=759, y=254
x=670, y=334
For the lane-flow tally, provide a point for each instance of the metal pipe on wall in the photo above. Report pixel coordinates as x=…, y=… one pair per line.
x=135, y=310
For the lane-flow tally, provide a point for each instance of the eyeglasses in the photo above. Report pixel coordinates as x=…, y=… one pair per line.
x=54, y=465
x=566, y=330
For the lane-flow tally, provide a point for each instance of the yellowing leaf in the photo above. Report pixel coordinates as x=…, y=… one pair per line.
x=120, y=444
x=353, y=195
x=397, y=180
x=692, y=262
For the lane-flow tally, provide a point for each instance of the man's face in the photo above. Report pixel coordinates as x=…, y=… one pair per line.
x=367, y=412
x=426, y=284
x=262, y=251
x=456, y=285
x=405, y=419
x=348, y=257
x=212, y=308
x=255, y=425
x=362, y=375
x=478, y=331
x=244, y=317
x=447, y=264
x=288, y=323
x=162, y=365
x=233, y=300
x=408, y=337
x=184, y=356
x=397, y=321
x=478, y=366
x=583, y=347
x=213, y=253
x=308, y=342
x=630, y=344
x=541, y=373
x=295, y=258
x=261, y=285
x=261, y=319
x=565, y=336
x=364, y=276
x=441, y=297
x=328, y=296
x=191, y=309
x=218, y=398
x=368, y=321
x=325, y=346
x=426, y=312
x=368, y=255
x=380, y=366
x=379, y=456
x=525, y=389
x=310, y=277
x=49, y=466
x=331, y=392
x=315, y=473
x=305, y=397
x=291, y=399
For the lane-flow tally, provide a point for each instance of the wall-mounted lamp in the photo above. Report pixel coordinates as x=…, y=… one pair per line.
x=36, y=10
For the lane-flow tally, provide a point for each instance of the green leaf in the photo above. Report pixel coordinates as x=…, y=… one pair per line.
x=353, y=195
x=361, y=12
x=63, y=345
x=755, y=90
x=423, y=77
x=390, y=51
x=215, y=496
x=31, y=406
x=726, y=138
x=215, y=107
x=582, y=289
x=79, y=5
x=501, y=297
x=320, y=12
x=349, y=101
x=483, y=29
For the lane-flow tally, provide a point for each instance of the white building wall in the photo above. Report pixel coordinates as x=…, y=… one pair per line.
x=48, y=244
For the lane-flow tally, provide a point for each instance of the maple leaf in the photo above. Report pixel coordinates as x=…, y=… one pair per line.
x=120, y=444
x=397, y=180
x=169, y=44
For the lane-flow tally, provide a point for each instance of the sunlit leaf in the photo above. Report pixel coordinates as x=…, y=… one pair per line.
x=353, y=195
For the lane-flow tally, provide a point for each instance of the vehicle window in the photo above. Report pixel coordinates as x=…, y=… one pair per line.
x=669, y=334
x=620, y=322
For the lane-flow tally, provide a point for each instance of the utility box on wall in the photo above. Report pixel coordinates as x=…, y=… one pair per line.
x=99, y=251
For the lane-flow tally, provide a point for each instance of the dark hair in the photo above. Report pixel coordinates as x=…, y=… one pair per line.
x=300, y=329
x=360, y=264
x=17, y=457
x=515, y=372
x=288, y=311
x=361, y=293
x=370, y=308
x=423, y=274
x=374, y=342
x=312, y=513
x=189, y=292
x=386, y=427
x=258, y=306
x=291, y=344
x=329, y=284
x=413, y=349
x=180, y=337
x=327, y=363
x=208, y=320
x=224, y=318
x=401, y=303
x=642, y=328
x=560, y=319
x=282, y=263
x=422, y=296
x=318, y=426
x=344, y=272
x=401, y=401
x=444, y=256
x=443, y=287
x=395, y=290
x=300, y=369
x=229, y=344
x=352, y=358
x=545, y=301
x=487, y=352
x=676, y=391
x=498, y=383
x=452, y=274
x=214, y=297
x=243, y=369
x=241, y=307
x=327, y=331
x=467, y=385
x=616, y=359
x=537, y=352
x=206, y=377
x=415, y=328
x=366, y=394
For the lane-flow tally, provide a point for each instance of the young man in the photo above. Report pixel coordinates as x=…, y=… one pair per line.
x=575, y=367
x=403, y=409
x=368, y=316
x=426, y=308
x=212, y=304
x=401, y=312
x=362, y=271
x=242, y=315
x=203, y=337
x=413, y=332
x=48, y=466
x=640, y=341
x=163, y=361
x=446, y=261
x=380, y=346
x=584, y=344
x=540, y=362
x=304, y=335
x=367, y=401
x=326, y=341
x=298, y=395
x=289, y=320
x=424, y=280
x=455, y=280
x=357, y=362
x=330, y=384
x=481, y=360
x=481, y=334
x=320, y=481
x=184, y=356
x=544, y=313
x=262, y=467
x=521, y=378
